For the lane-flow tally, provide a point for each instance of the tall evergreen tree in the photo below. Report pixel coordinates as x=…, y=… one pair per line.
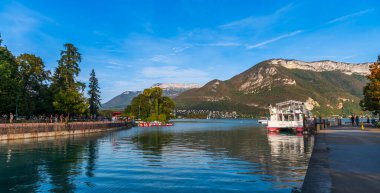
x=68, y=92
x=371, y=92
x=94, y=94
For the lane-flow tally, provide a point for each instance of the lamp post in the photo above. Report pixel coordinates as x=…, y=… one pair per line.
x=17, y=98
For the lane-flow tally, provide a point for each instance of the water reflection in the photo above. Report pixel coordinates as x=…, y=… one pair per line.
x=28, y=164
x=152, y=142
x=218, y=156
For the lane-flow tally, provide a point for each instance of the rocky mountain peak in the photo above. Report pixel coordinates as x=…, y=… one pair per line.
x=176, y=85
x=325, y=65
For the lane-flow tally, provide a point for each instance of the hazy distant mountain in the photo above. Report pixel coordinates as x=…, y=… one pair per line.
x=121, y=101
x=326, y=87
x=169, y=89
x=174, y=89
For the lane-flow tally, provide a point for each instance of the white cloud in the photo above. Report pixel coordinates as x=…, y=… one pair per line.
x=174, y=74
x=346, y=17
x=180, y=49
x=224, y=44
x=274, y=39
x=258, y=21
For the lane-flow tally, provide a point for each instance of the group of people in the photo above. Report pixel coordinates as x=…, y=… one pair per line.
x=11, y=117
x=355, y=120
x=50, y=118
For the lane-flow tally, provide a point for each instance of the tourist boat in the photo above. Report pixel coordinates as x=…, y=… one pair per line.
x=288, y=115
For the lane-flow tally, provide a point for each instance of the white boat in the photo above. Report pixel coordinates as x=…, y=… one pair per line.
x=263, y=121
x=288, y=115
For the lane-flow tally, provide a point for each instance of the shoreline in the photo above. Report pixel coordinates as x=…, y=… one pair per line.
x=39, y=130
x=344, y=159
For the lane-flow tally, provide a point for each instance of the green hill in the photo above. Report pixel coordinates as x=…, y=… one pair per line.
x=326, y=87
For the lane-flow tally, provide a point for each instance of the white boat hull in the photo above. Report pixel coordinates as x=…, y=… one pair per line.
x=263, y=121
x=281, y=125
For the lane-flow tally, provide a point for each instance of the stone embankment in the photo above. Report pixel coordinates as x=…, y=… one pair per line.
x=344, y=159
x=36, y=130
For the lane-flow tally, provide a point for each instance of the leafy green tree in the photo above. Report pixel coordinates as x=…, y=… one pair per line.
x=94, y=94
x=155, y=96
x=70, y=101
x=9, y=84
x=139, y=107
x=371, y=92
x=34, y=96
x=68, y=93
x=151, y=106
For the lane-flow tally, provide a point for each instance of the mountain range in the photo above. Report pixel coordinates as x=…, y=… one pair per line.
x=326, y=87
x=169, y=89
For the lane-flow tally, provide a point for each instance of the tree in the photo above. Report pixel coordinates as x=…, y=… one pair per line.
x=151, y=106
x=68, y=93
x=70, y=101
x=34, y=96
x=371, y=92
x=9, y=84
x=94, y=94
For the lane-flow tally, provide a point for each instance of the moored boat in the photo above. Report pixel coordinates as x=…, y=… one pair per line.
x=288, y=115
x=263, y=120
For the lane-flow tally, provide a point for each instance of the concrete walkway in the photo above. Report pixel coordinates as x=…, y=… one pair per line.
x=344, y=159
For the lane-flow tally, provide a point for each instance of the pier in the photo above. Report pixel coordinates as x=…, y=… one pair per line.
x=36, y=130
x=344, y=159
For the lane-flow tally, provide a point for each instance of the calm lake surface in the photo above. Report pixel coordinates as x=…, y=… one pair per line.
x=192, y=156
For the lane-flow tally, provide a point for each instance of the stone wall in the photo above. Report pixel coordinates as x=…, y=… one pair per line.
x=35, y=130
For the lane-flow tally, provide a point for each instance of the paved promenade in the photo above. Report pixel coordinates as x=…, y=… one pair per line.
x=344, y=159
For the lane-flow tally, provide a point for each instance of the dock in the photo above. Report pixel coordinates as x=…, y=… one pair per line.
x=37, y=130
x=344, y=159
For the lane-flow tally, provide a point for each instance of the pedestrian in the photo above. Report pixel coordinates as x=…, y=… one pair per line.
x=61, y=118
x=51, y=118
x=367, y=119
x=357, y=120
x=55, y=118
x=11, y=117
x=353, y=120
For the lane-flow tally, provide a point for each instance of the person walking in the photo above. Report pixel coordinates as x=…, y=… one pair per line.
x=11, y=117
x=61, y=118
x=357, y=120
x=353, y=120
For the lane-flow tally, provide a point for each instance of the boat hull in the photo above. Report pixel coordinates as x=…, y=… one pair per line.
x=285, y=125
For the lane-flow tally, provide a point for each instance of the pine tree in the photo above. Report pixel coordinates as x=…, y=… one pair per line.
x=68, y=93
x=94, y=94
x=371, y=91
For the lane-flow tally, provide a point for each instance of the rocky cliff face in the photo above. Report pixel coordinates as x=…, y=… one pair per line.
x=278, y=80
x=321, y=66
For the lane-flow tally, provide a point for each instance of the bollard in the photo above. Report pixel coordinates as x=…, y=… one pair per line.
x=318, y=127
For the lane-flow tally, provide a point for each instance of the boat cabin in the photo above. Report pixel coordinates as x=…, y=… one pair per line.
x=288, y=111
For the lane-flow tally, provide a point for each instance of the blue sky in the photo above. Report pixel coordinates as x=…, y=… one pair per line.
x=133, y=44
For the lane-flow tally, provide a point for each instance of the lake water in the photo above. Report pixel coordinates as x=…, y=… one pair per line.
x=192, y=156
